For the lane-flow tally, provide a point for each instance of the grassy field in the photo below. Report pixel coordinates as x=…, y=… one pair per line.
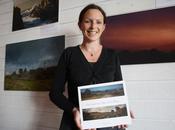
x=101, y=115
x=102, y=94
x=29, y=85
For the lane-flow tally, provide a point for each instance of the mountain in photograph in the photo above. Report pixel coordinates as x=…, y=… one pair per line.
x=33, y=13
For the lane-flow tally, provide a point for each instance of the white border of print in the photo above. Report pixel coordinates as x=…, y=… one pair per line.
x=104, y=102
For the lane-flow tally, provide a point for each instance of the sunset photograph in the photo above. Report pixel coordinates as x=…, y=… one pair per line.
x=142, y=37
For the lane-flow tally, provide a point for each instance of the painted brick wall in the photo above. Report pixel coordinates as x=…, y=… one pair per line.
x=151, y=87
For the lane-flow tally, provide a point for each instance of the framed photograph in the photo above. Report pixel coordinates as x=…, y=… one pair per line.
x=103, y=105
x=32, y=13
x=31, y=65
x=142, y=37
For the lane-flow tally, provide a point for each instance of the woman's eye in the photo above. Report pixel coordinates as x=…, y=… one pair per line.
x=99, y=22
x=87, y=21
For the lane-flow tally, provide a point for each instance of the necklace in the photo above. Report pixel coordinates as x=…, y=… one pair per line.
x=91, y=54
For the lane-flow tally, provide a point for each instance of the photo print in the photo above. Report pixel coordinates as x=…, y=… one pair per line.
x=142, y=37
x=103, y=105
x=30, y=65
x=104, y=112
x=102, y=92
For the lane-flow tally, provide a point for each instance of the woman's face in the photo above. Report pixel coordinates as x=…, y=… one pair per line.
x=92, y=25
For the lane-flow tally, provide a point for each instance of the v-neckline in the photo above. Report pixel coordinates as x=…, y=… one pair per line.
x=85, y=59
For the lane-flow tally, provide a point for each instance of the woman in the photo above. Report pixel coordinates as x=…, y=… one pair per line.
x=88, y=63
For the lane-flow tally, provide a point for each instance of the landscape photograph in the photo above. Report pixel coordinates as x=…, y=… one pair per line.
x=102, y=92
x=32, y=13
x=104, y=112
x=30, y=65
x=142, y=37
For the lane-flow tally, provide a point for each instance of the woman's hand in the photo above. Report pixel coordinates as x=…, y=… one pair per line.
x=125, y=125
x=77, y=120
x=76, y=115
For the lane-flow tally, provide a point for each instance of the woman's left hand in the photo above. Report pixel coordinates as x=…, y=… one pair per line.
x=124, y=126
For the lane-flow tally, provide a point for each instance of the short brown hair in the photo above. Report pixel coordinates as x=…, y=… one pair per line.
x=91, y=6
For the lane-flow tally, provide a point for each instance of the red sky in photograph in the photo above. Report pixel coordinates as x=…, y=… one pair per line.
x=153, y=29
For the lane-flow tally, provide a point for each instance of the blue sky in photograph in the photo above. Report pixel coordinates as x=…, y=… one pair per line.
x=33, y=54
x=104, y=88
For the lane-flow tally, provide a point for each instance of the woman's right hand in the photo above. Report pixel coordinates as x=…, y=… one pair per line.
x=76, y=114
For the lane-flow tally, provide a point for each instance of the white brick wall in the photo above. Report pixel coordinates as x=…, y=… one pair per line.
x=150, y=87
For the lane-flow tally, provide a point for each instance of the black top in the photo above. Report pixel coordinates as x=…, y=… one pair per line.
x=92, y=64
x=74, y=69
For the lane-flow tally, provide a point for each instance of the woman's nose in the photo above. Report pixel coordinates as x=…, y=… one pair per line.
x=93, y=25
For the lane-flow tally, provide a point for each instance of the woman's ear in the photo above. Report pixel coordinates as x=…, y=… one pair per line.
x=104, y=26
x=79, y=25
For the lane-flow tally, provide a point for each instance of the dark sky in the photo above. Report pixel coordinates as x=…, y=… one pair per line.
x=26, y=4
x=153, y=29
x=33, y=54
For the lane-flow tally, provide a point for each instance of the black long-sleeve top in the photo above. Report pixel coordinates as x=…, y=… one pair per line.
x=74, y=69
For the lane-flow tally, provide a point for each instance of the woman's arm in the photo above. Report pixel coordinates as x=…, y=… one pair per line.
x=56, y=92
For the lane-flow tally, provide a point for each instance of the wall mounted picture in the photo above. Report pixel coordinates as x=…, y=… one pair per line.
x=32, y=13
x=31, y=65
x=142, y=37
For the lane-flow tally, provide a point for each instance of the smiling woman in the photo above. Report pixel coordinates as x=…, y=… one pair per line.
x=87, y=63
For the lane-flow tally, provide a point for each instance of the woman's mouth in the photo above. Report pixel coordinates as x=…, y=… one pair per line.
x=91, y=32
